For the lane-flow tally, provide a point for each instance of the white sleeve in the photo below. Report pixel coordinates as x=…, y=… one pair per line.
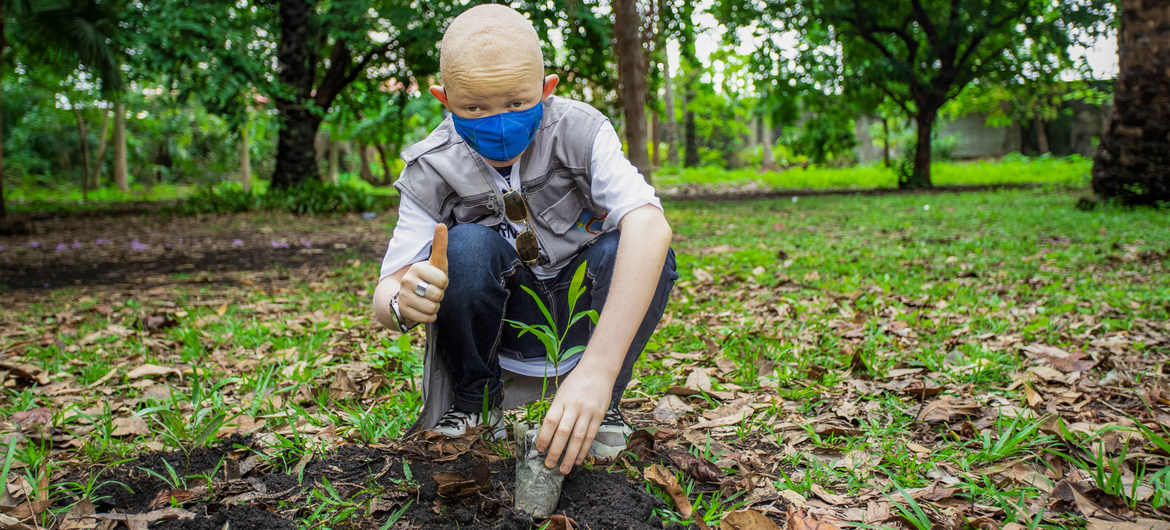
x=413, y=235
x=617, y=185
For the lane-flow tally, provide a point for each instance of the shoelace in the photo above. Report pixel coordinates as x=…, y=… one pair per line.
x=613, y=416
x=454, y=418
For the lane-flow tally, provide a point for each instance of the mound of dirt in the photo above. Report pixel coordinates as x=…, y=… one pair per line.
x=469, y=490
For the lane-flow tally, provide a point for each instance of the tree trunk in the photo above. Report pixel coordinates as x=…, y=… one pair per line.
x=886, y=141
x=364, y=152
x=3, y=205
x=919, y=177
x=334, y=155
x=1133, y=159
x=769, y=159
x=671, y=123
x=387, y=178
x=655, y=127
x=295, y=162
x=691, y=140
x=245, y=158
x=120, y=177
x=1041, y=135
x=94, y=180
x=83, y=140
x=632, y=80
x=3, y=47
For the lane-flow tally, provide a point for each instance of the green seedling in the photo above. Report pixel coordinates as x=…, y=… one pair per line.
x=553, y=339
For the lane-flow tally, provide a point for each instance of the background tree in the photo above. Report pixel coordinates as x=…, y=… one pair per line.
x=628, y=44
x=922, y=53
x=75, y=32
x=1133, y=161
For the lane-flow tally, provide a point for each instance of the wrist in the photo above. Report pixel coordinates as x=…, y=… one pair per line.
x=398, y=318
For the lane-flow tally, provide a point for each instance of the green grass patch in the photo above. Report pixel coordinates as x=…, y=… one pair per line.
x=1072, y=171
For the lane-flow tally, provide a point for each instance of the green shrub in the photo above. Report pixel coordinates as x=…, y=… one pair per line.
x=311, y=197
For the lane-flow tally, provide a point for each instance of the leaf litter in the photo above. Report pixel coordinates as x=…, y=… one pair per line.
x=800, y=444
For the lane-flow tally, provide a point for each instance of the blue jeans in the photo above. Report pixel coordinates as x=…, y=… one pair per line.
x=486, y=280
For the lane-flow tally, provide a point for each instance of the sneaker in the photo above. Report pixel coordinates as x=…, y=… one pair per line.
x=456, y=423
x=611, y=435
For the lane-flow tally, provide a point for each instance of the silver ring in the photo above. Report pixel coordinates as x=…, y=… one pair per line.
x=421, y=288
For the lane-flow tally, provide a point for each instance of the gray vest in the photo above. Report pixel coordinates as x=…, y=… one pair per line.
x=453, y=184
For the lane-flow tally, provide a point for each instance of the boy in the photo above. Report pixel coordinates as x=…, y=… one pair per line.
x=530, y=185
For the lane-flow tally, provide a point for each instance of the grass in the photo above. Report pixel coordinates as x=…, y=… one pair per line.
x=1072, y=171
x=951, y=285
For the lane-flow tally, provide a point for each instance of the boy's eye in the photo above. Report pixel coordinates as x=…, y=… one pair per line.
x=517, y=104
x=471, y=108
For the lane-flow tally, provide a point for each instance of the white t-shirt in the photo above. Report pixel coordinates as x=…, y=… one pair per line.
x=618, y=187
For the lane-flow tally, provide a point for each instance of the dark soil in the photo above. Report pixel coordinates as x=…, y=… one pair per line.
x=377, y=481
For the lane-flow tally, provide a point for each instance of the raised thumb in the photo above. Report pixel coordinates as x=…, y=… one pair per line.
x=439, y=248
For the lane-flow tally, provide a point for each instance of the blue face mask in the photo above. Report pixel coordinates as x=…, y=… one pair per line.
x=500, y=137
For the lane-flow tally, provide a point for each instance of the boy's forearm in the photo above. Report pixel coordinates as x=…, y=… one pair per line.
x=645, y=240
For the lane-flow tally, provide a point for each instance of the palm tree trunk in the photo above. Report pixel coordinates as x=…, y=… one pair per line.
x=1133, y=160
x=120, y=173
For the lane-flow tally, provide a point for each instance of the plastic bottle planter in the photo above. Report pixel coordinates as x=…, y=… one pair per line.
x=538, y=488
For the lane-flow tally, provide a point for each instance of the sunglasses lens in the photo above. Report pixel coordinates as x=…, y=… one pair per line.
x=527, y=247
x=514, y=207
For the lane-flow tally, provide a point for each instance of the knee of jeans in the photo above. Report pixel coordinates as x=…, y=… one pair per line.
x=475, y=249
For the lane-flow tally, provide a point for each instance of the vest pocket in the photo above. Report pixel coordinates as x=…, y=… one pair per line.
x=563, y=214
x=474, y=209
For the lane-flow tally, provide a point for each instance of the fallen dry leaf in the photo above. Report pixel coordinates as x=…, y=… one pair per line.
x=664, y=479
x=133, y=426
x=141, y=521
x=747, y=520
x=1140, y=524
x=699, y=468
x=454, y=485
x=670, y=408
x=797, y=520
x=641, y=444
x=946, y=409
x=149, y=370
x=560, y=522
x=78, y=517
x=734, y=418
x=32, y=418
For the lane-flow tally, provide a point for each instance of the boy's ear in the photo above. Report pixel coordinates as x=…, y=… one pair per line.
x=440, y=94
x=550, y=83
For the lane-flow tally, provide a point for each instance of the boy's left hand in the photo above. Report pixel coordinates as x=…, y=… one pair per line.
x=573, y=418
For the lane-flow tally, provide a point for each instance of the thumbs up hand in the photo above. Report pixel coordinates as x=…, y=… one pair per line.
x=425, y=282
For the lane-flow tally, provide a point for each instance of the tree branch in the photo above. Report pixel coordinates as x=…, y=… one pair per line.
x=924, y=18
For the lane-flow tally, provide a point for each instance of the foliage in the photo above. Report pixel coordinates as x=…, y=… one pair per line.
x=917, y=54
x=311, y=197
x=553, y=338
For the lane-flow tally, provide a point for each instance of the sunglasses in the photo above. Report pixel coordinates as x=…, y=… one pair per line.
x=516, y=210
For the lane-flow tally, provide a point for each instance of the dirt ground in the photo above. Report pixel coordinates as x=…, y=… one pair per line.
x=96, y=250
x=247, y=494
